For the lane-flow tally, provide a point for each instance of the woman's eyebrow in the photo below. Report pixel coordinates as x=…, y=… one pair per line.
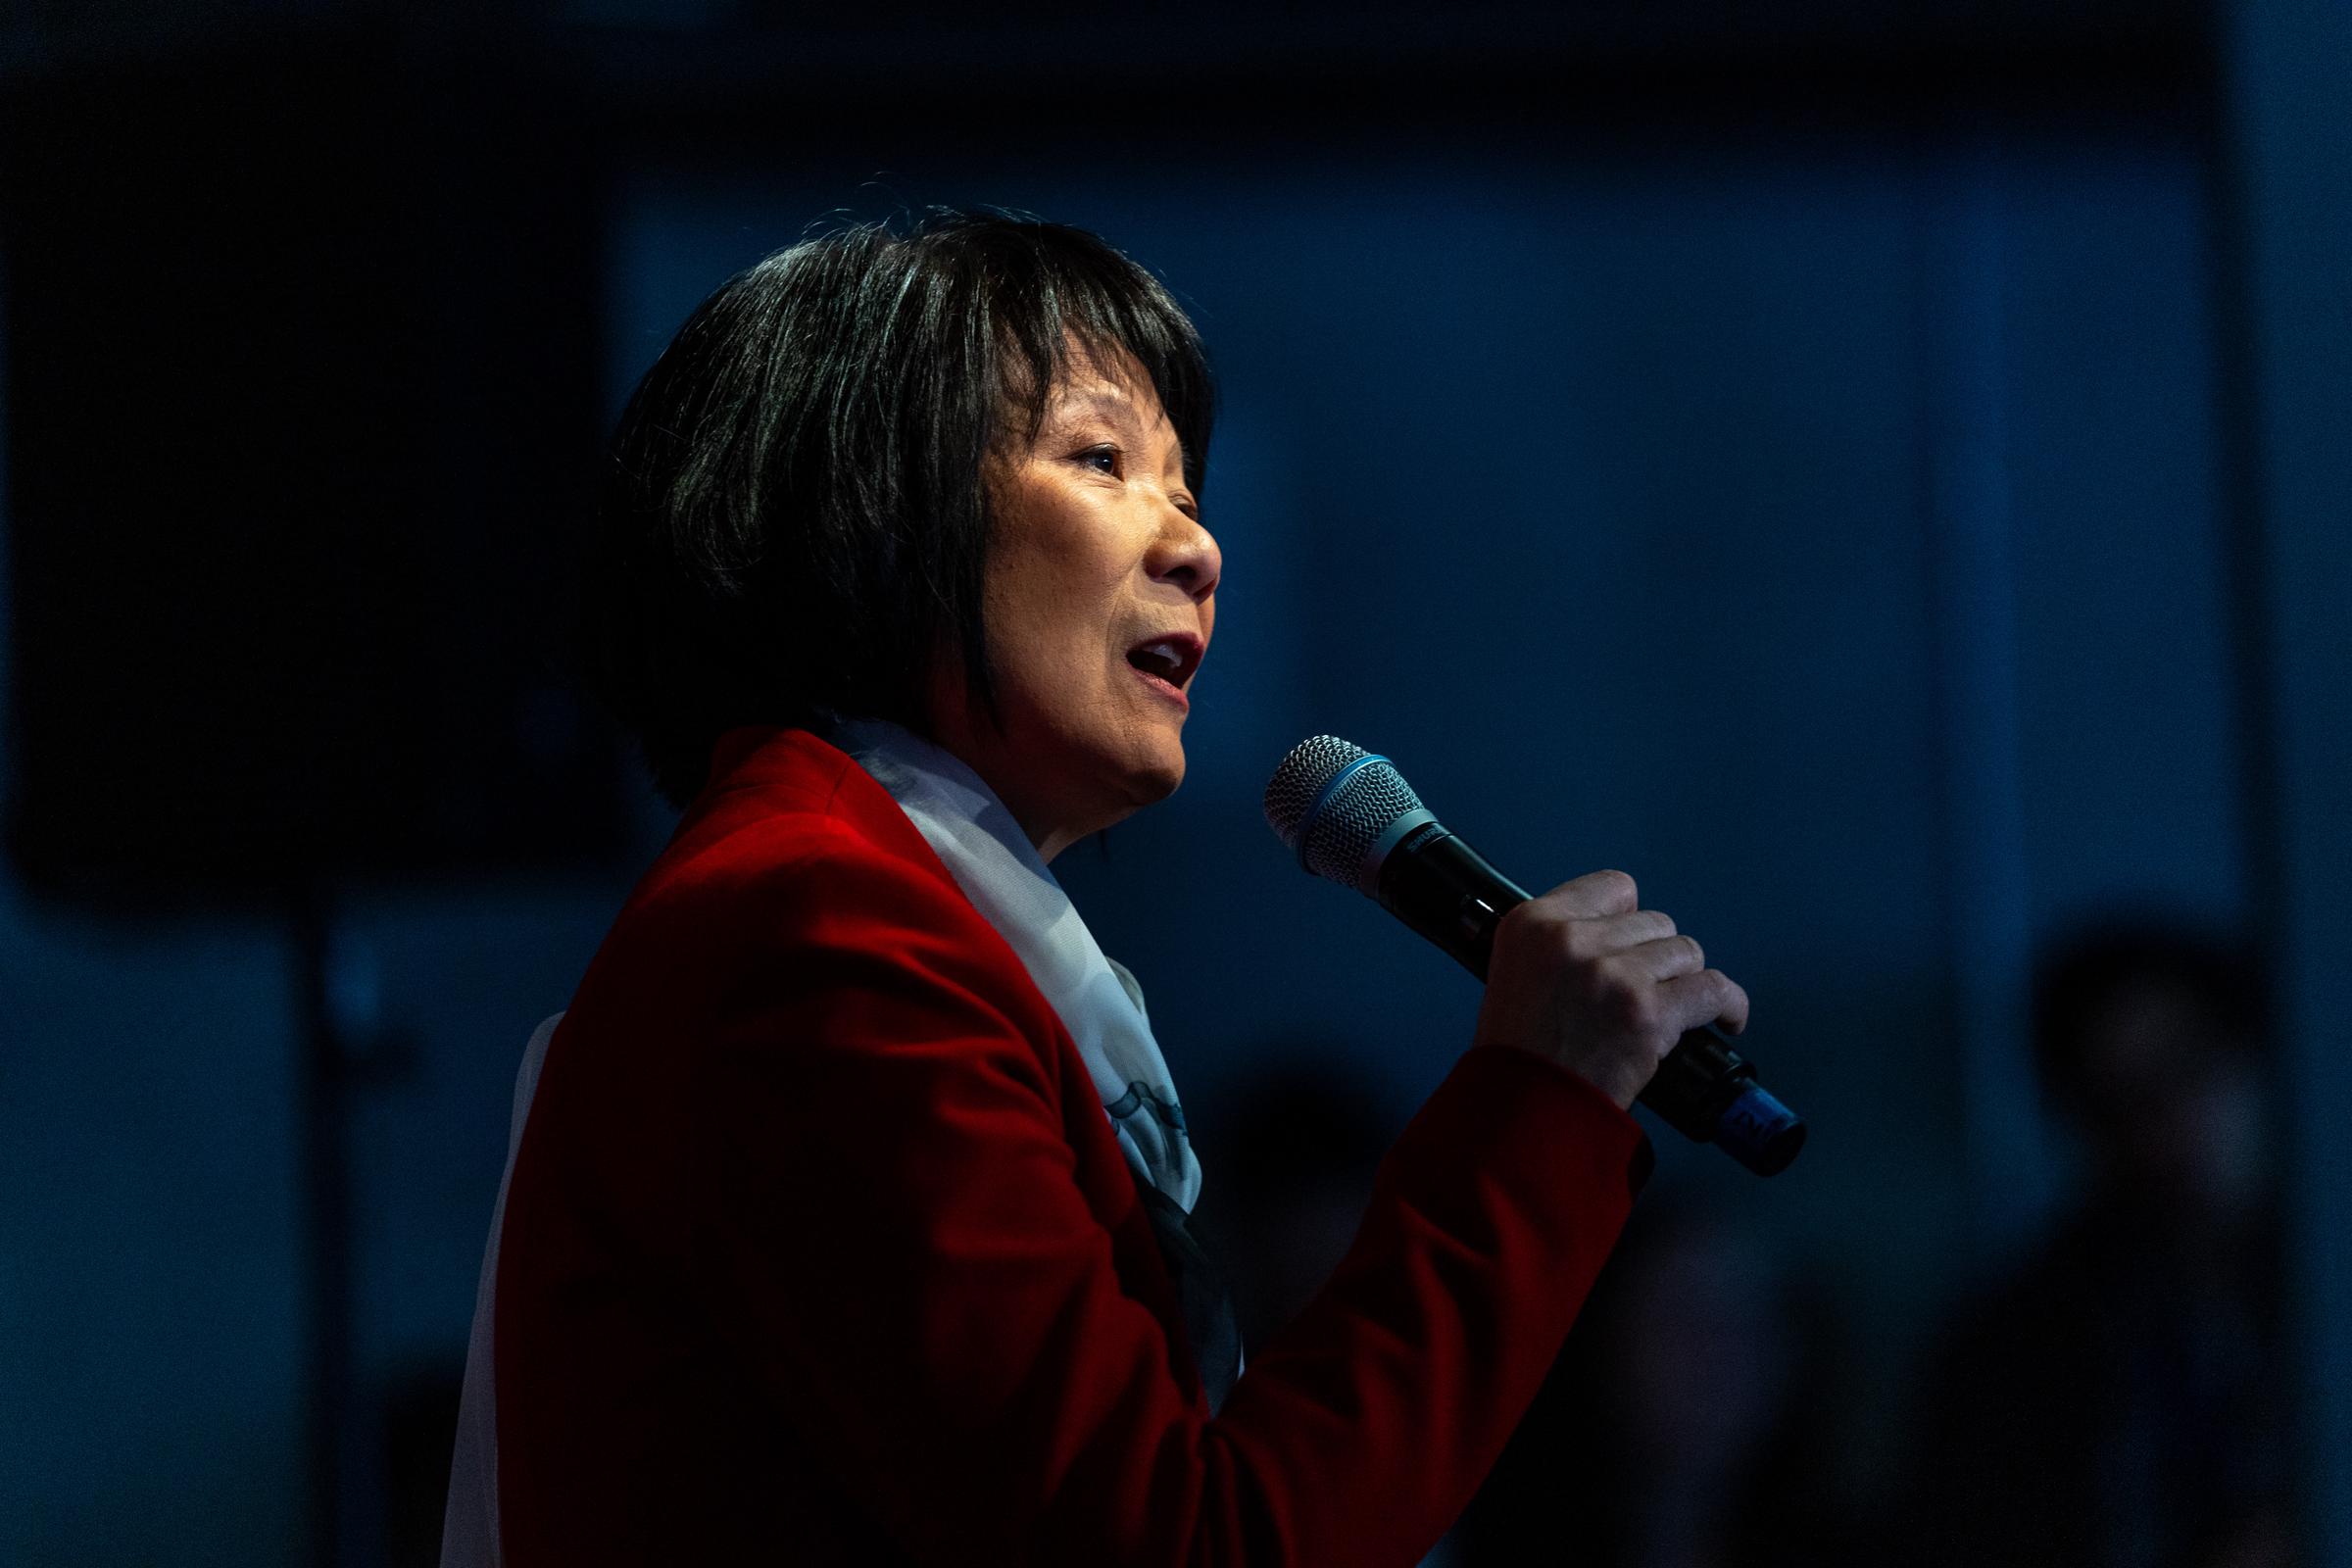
x=1107, y=400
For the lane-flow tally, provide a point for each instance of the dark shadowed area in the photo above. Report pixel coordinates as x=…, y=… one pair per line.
x=1875, y=474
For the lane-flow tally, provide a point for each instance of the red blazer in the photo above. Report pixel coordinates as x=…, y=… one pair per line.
x=818, y=1249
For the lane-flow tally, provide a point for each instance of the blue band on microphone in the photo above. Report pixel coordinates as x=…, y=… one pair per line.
x=1760, y=1131
x=1307, y=824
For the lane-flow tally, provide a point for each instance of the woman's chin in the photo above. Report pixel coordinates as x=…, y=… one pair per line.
x=1160, y=778
x=1144, y=784
x=1066, y=784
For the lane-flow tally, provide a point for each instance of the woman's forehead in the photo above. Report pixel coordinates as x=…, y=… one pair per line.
x=1108, y=366
x=1120, y=402
x=1109, y=380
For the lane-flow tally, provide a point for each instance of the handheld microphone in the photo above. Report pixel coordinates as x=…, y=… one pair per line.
x=1350, y=818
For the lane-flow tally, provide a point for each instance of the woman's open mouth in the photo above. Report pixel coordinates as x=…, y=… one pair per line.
x=1166, y=664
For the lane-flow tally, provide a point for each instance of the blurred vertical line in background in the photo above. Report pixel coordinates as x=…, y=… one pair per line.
x=1962, y=367
x=8, y=600
x=337, y=281
x=2285, y=258
x=301, y=341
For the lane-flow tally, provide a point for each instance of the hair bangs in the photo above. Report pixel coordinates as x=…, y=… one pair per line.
x=796, y=518
x=1071, y=292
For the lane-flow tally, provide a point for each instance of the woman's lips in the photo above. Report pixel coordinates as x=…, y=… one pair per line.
x=1170, y=692
x=1168, y=661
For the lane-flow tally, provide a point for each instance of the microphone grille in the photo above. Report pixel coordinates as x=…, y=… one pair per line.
x=1300, y=777
x=1337, y=836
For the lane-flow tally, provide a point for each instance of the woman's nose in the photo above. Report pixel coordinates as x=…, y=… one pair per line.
x=1185, y=554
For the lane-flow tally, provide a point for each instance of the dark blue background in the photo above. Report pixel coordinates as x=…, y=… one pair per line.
x=1857, y=521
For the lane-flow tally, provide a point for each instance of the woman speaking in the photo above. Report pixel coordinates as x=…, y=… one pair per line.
x=846, y=1219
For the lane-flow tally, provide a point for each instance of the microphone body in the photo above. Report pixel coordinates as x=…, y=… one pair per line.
x=1353, y=820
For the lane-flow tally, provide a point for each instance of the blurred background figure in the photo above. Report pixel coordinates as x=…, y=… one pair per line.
x=1690, y=1421
x=1946, y=402
x=1294, y=1170
x=1295, y=1165
x=1693, y=1417
x=2119, y=1399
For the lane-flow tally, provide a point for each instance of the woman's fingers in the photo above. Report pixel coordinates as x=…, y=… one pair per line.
x=1706, y=996
x=1587, y=978
x=1594, y=895
x=1602, y=935
x=1665, y=958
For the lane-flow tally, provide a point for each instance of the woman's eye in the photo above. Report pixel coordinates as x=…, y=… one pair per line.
x=1108, y=456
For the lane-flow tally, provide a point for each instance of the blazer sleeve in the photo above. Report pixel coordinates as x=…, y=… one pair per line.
x=907, y=1262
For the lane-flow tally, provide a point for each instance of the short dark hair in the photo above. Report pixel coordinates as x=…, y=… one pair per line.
x=794, y=516
x=2085, y=974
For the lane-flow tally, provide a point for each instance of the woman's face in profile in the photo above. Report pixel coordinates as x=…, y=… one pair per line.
x=1099, y=604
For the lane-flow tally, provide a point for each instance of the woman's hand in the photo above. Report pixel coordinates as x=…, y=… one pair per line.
x=1585, y=977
